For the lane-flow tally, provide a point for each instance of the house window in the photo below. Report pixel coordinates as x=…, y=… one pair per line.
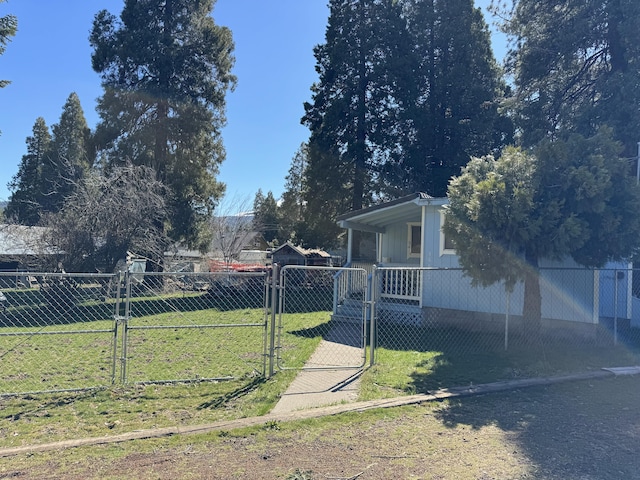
x=414, y=241
x=447, y=246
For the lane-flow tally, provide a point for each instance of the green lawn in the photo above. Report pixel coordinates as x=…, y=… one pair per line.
x=224, y=346
x=159, y=349
x=418, y=360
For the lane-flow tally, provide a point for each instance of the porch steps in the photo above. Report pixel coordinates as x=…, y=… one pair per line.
x=349, y=311
x=389, y=311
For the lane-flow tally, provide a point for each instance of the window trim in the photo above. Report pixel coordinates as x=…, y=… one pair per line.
x=410, y=242
x=443, y=250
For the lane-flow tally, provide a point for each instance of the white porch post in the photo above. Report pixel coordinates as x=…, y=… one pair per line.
x=423, y=235
x=378, y=248
x=349, y=244
x=423, y=253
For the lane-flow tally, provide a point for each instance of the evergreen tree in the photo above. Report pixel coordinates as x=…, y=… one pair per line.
x=576, y=67
x=292, y=209
x=24, y=206
x=571, y=197
x=354, y=107
x=324, y=200
x=165, y=68
x=265, y=211
x=8, y=28
x=455, y=95
x=408, y=91
x=69, y=158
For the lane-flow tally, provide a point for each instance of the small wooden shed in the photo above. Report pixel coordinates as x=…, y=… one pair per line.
x=289, y=254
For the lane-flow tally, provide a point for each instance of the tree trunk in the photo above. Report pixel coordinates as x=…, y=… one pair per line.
x=532, y=308
x=360, y=160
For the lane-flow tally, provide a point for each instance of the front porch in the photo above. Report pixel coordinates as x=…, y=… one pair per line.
x=407, y=240
x=395, y=293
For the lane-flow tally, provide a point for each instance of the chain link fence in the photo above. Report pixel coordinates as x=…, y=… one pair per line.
x=62, y=332
x=306, y=319
x=57, y=332
x=451, y=332
x=194, y=327
x=75, y=331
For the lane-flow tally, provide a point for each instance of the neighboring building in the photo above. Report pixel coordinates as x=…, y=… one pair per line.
x=24, y=248
x=288, y=254
x=185, y=260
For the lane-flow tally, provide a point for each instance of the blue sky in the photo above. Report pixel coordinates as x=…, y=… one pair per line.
x=50, y=57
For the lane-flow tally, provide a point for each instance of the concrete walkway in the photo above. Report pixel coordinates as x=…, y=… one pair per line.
x=331, y=375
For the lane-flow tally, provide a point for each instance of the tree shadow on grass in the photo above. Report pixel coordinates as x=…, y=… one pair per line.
x=575, y=430
x=343, y=333
x=34, y=311
x=449, y=357
x=27, y=406
x=313, y=332
x=227, y=397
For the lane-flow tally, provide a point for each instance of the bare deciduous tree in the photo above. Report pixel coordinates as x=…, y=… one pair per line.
x=109, y=215
x=232, y=228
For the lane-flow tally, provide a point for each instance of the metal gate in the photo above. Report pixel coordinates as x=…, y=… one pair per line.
x=57, y=332
x=63, y=332
x=193, y=327
x=316, y=315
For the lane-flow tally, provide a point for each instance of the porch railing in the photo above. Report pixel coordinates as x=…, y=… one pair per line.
x=394, y=283
x=400, y=283
x=347, y=283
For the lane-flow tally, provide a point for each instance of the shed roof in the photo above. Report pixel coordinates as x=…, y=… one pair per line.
x=308, y=253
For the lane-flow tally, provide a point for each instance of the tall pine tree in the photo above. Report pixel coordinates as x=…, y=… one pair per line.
x=165, y=67
x=408, y=91
x=354, y=107
x=24, y=205
x=453, y=111
x=70, y=156
x=292, y=208
x=265, y=220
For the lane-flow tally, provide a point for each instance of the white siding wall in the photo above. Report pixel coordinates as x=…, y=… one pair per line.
x=567, y=294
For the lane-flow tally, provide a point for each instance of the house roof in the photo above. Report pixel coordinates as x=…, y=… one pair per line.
x=183, y=253
x=21, y=240
x=377, y=217
x=308, y=253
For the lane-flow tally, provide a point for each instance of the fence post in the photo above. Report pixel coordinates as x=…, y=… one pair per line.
x=266, y=289
x=506, y=319
x=615, y=307
x=116, y=318
x=125, y=330
x=275, y=273
x=372, y=292
x=337, y=278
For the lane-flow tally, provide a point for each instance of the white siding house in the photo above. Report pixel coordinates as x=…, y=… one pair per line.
x=409, y=234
